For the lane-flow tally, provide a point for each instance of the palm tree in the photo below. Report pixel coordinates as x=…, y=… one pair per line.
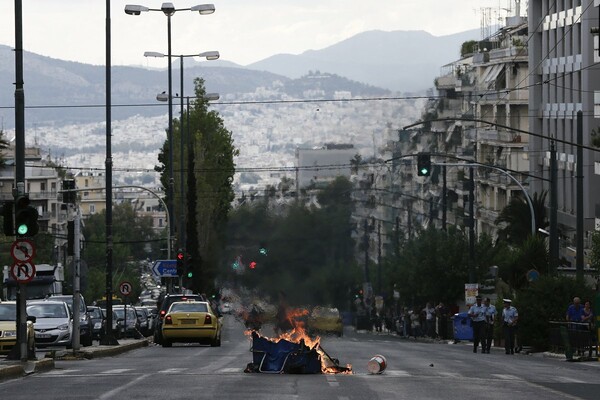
x=516, y=217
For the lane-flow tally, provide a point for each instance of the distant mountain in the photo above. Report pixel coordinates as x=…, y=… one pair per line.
x=369, y=64
x=403, y=61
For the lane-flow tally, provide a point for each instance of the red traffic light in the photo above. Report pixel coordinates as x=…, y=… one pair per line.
x=180, y=255
x=252, y=264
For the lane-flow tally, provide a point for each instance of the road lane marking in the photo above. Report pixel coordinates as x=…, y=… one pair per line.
x=507, y=377
x=332, y=381
x=115, y=391
x=172, y=370
x=450, y=374
x=56, y=372
x=396, y=372
x=116, y=371
x=230, y=370
x=565, y=379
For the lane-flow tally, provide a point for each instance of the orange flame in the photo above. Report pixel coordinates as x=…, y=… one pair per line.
x=298, y=333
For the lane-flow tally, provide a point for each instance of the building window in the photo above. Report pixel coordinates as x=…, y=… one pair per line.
x=42, y=186
x=92, y=209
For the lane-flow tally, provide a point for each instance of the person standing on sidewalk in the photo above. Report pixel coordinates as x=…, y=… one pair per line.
x=510, y=316
x=477, y=314
x=490, y=318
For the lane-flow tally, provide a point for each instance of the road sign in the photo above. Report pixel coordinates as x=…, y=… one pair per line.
x=165, y=268
x=125, y=288
x=22, y=250
x=23, y=272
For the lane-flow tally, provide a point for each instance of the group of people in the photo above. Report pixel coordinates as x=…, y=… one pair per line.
x=580, y=317
x=427, y=321
x=483, y=317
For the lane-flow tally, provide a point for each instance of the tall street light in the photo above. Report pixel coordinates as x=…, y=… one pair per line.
x=208, y=55
x=169, y=10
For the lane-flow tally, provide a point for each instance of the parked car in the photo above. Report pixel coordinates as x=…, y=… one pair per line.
x=143, y=313
x=325, y=320
x=191, y=321
x=85, y=323
x=165, y=304
x=127, y=322
x=53, y=322
x=8, y=328
x=98, y=321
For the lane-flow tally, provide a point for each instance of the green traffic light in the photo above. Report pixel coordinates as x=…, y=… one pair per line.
x=190, y=274
x=22, y=229
x=263, y=251
x=424, y=171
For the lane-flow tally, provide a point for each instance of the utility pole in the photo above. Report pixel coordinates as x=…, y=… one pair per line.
x=366, y=243
x=444, y=198
x=379, y=258
x=76, y=340
x=580, y=211
x=553, y=209
x=471, y=226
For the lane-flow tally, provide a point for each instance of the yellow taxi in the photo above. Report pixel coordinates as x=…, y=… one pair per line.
x=191, y=321
x=8, y=328
x=325, y=320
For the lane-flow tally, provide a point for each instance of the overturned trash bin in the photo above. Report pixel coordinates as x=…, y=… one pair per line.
x=285, y=357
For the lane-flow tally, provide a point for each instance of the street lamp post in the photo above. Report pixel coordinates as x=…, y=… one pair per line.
x=208, y=55
x=169, y=10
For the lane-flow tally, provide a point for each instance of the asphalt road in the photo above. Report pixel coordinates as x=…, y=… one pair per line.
x=416, y=370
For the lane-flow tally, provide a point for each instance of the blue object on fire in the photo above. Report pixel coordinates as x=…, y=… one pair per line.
x=283, y=357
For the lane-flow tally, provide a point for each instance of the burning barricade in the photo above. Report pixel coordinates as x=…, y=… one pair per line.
x=293, y=351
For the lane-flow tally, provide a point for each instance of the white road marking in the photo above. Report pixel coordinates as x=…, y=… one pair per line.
x=450, y=374
x=229, y=370
x=564, y=379
x=116, y=371
x=507, y=377
x=396, y=372
x=172, y=370
x=61, y=371
x=115, y=391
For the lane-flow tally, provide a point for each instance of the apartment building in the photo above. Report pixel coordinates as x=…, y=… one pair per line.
x=563, y=81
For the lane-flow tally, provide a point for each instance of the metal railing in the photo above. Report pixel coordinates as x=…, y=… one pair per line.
x=573, y=338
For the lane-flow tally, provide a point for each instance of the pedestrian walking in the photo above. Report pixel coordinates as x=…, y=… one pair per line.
x=510, y=317
x=490, y=319
x=477, y=314
x=429, y=311
x=442, y=314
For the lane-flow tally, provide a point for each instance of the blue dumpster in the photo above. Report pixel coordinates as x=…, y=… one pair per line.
x=463, y=330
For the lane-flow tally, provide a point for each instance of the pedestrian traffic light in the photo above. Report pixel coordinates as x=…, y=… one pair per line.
x=263, y=250
x=180, y=261
x=423, y=164
x=8, y=221
x=26, y=217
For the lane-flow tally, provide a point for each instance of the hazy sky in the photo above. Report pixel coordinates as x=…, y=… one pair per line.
x=243, y=31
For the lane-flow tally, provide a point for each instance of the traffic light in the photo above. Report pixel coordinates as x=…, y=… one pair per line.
x=180, y=261
x=252, y=264
x=8, y=218
x=190, y=271
x=262, y=249
x=69, y=197
x=423, y=164
x=26, y=217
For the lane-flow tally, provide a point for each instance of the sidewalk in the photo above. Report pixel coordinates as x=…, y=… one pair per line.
x=10, y=369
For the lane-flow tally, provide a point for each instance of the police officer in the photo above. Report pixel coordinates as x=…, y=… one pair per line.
x=510, y=316
x=477, y=314
x=490, y=318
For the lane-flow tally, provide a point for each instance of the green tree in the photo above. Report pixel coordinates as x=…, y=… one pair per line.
x=134, y=239
x=595, y=251
x=209, y=154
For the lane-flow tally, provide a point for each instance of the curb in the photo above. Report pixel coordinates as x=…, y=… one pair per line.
x=114, y=350
x=26, y=368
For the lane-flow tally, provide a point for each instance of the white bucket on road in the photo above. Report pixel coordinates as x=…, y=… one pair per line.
x=377, y=364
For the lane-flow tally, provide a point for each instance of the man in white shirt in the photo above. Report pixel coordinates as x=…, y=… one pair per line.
x=477, y=314
x=510, y=316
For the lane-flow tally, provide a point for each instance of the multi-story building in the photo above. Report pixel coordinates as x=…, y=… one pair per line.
x=563, y=54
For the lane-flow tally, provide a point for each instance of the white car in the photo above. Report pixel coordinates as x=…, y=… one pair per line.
x=53, y=322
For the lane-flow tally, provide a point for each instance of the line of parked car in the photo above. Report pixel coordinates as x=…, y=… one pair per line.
x=50, y=322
